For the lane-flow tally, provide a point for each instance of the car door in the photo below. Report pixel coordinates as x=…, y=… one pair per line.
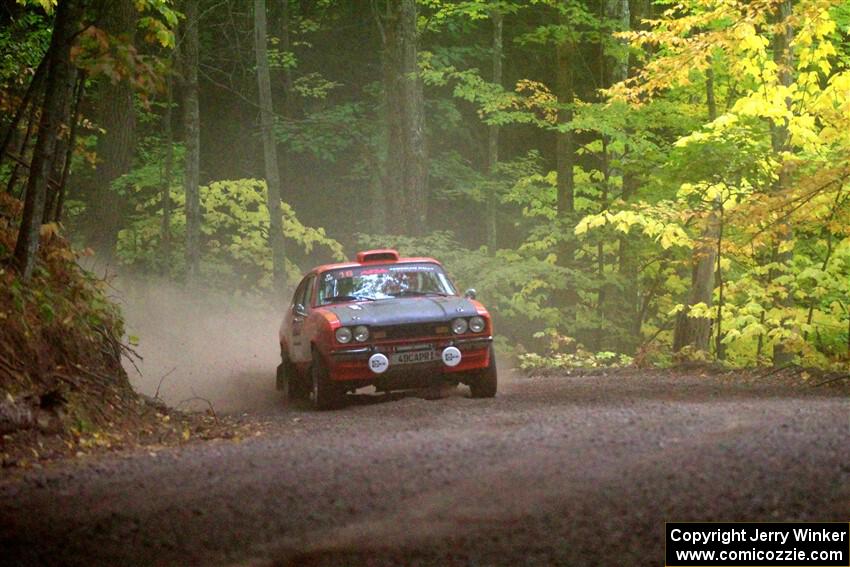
x=299, y=312
x=294, y=322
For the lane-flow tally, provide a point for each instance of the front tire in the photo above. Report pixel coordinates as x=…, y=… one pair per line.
x=324, y=393
x=484, y=383
x=288, y=381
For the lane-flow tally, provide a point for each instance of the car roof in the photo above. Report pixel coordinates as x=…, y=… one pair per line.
x=405, y=260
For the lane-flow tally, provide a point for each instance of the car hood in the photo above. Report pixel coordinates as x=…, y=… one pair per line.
x=402, y=310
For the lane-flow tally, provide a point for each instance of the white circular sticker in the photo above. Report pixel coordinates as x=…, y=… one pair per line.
x=451, y=356
x=378, y=363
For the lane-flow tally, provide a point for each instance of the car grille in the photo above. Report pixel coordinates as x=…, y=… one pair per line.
x=412, y=331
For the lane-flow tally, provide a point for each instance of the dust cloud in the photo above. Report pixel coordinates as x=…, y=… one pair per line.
x=202, y=346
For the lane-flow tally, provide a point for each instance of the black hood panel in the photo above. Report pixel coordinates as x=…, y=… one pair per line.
x=403, y=310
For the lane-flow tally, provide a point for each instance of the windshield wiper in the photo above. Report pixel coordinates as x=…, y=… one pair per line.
x=335, y=298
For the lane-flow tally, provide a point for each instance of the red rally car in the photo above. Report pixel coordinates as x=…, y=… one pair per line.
x=390, y=322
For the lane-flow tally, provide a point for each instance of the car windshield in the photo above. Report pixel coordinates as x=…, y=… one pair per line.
x=371, y=283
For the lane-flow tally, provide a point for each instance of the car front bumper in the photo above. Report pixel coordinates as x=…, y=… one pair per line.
x=352, y=363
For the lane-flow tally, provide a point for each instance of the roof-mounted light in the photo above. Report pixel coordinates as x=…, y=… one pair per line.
x=381, y=255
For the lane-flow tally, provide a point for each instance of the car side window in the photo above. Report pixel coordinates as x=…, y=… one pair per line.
x=304, y=294
x=308, y=292
x=298, y=297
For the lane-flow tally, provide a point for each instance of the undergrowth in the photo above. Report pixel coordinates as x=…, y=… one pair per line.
x=62, y=385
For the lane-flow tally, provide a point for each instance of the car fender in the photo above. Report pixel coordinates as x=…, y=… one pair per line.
x=482, y=311
x=323, y=325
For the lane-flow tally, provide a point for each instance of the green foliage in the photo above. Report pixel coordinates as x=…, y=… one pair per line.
x=533, y=362
x=235, y=249
x=325, y=133
x=46, y=5
x=23, y=43
x=564, y=353
x=515, y=288
x=774, y=289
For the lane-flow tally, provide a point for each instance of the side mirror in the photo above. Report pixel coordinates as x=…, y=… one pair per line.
x=470, y=293
x=299, y=310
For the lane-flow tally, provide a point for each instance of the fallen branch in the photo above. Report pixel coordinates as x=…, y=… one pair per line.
x=161, y=380
x=779, y=369
x=198, y=398
x=836, y=379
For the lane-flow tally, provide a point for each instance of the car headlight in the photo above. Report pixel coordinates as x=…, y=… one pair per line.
x=361, y=334
x=459, y=326
x=343, y=335
x=477, y=324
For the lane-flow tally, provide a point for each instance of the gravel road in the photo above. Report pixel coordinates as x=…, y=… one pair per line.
x=554, y=471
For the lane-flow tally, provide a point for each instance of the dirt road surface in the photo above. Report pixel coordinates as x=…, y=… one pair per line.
x=554, y=471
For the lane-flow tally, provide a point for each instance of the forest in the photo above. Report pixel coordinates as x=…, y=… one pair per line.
x=623, y=181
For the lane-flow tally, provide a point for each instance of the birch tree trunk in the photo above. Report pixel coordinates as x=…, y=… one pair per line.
x=269, y=149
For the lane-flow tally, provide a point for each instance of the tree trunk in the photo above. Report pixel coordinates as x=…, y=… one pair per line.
x=393, y=184
x=493, y=135
x=620, y=12
x=269, y=148
x=565, y=146
x=288, y=108
x=719, y=346
x=783, y=354
x=69, y=151
x=696, y=331
x=378, y=203
x=286, y=47
x=56, y=89
x=710, y=99
x=615, y=69
x=406, y=167
x=32, y=121
x=192, y=129
x=628, y=256
x=415, y=155
x=116, y=146
x=32, y=92
x=565, y=156
x=63, y=144
x=168, y=171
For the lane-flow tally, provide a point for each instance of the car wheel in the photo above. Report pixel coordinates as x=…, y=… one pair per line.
x=288, y=381
x=324, y=393
x=484, y=383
